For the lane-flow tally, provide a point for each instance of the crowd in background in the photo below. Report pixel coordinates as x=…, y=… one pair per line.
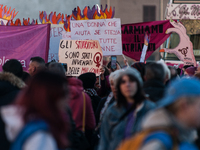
x=148, y=106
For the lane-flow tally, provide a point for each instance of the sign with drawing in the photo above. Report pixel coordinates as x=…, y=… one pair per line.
x=184, y=50
x=81, y=56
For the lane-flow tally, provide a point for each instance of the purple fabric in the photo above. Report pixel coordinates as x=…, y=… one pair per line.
x=24, y=42
x=129, y=125
x=133, y=37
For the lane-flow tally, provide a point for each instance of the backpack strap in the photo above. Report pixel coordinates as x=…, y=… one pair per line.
x=29, y=129
x=163, y=137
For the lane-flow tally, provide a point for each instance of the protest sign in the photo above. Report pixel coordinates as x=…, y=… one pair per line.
x=81, y=56
x=24, y=42
x=133, y=37
x=55, y=37
x=184, y=50
x=106, y=31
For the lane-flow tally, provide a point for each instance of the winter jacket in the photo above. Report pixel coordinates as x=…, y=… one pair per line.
x=12, y=116
x=10, y=86
x=154, y=89
x=111, y=137
x=162, y=118
x=76, y=105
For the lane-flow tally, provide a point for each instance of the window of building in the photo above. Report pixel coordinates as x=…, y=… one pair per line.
x=149, y=13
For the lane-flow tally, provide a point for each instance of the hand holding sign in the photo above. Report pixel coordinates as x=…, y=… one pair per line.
x=184, y=50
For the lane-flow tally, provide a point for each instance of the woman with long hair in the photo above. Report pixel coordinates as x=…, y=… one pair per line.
x=38, y=120
x=123, y=118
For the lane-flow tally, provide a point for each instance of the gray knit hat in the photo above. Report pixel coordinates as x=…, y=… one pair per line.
x=130, y=71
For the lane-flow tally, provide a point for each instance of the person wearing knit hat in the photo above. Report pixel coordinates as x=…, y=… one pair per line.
x=175, y=118
x=123, y=118
x=89, y=80
x=190, y=71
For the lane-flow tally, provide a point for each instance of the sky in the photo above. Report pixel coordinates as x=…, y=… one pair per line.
x=30, y=8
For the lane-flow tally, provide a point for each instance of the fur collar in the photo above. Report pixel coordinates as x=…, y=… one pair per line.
x=14, y=80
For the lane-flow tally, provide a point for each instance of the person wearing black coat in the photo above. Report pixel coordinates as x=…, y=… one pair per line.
x=154, y=87
x=10, y=85
x=89, y=80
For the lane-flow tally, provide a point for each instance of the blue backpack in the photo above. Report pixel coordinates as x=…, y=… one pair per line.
x=167, y=141
x=29, y=129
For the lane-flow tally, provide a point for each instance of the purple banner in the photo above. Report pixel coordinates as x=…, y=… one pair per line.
x=24, y=42
x=133, y=37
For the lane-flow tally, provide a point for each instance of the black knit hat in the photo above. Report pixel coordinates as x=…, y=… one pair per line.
x=88, y=80
x=13, y=66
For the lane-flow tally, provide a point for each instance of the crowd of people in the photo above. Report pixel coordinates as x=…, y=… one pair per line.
x=148, y=106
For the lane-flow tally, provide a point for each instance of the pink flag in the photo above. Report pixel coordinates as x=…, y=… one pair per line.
x=133, y=37
x=24, y=42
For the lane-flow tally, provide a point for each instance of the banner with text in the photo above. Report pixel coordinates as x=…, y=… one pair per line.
x=24, y=42
x=106, y=31
x=81, y=56
x=133, y=37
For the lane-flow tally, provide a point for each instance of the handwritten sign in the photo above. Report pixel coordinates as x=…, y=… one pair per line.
x=81, y=56
x=106, y=31
x=55, y=37
x=183, y=11
x=184, y=50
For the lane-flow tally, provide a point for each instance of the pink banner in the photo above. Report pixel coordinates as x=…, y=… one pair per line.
x=24, y=42
x=133, y=37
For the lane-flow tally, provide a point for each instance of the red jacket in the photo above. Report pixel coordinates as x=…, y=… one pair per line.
x=76, y=105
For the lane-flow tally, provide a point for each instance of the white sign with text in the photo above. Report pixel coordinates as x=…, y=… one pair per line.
x=106, y=31
x=81, y=56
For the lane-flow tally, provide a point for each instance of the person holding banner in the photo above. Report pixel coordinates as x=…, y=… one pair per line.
x=123, y=118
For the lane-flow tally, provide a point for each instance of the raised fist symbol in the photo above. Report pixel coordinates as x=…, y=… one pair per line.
x=184, y=50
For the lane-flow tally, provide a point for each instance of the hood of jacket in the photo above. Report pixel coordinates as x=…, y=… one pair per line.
x=162, y=118
x=10, y=86
x=76, y=88
x=12, y=79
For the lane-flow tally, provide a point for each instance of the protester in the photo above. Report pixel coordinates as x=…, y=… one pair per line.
x=171, y=125
x=154, y=81
x=140, y=67
x=107, y=101
x=38, y=119
x=89, y=80
x=173, y=71
x=10, y=86
x=76, y=105
x=105, y=85
x=123, y=118
x=36, y=64
x=56, y=68
x=166, y=70
x=190, y=71
x=25, y=77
